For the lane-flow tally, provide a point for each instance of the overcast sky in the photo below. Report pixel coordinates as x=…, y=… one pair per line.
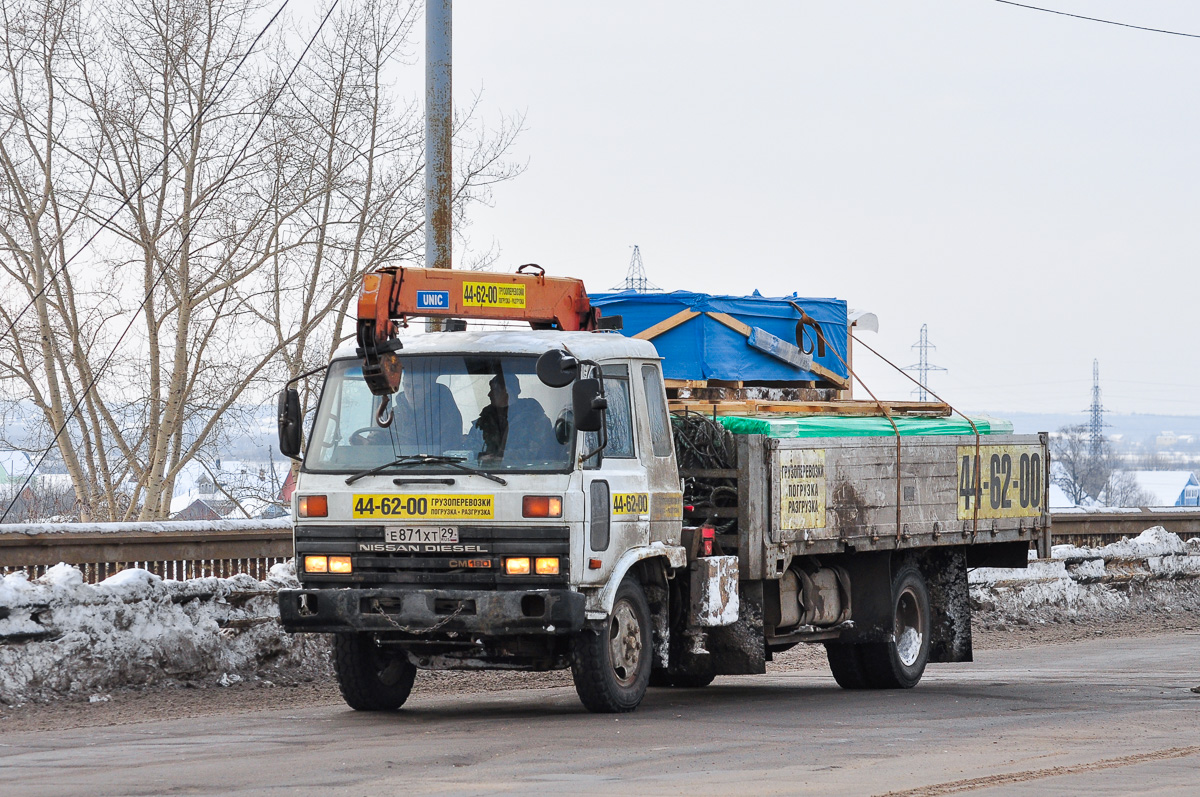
x=1023, y=183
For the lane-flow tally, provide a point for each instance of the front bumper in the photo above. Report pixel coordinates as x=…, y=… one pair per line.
x=417, y=611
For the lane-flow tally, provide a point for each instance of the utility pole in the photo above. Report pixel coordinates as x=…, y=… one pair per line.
x=635, y=278
x=439, y=124
x=922, y=366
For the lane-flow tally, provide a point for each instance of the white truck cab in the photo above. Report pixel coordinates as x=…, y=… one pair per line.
x=467, y=522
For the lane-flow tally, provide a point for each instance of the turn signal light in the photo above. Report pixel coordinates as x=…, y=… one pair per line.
x=313, y=506
x=546, y=565
x=518, y=566
x=541, y=506
x=316, y=564
x=340, y=564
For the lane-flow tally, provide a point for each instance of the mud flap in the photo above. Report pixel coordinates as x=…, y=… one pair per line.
x=660, y=633
x=950, y=603
x=714, y=591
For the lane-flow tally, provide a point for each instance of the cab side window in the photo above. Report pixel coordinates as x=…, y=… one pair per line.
x=656, y=410
x=618, y=419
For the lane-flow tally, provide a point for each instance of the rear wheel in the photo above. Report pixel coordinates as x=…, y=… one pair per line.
x=370, y=678
x=845, y=661
x=611, y=668
x=900, y=662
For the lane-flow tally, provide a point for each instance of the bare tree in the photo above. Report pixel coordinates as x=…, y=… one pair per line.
x=233, y=213
x=1081, y=468
x=1123, y=490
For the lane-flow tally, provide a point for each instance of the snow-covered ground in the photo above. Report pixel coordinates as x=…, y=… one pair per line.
x=1155, y=570
x=60, y=637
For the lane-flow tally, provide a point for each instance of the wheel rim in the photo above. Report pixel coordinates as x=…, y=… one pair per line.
x=625, y=643
x=909, y=628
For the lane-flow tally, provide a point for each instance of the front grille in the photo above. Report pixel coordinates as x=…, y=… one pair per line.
x=479, y=565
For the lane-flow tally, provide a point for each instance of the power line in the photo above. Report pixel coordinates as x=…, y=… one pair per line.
x=1097, y=19
x=150, y=173
x=163, y=271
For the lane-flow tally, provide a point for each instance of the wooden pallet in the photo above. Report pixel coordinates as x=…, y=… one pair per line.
x=848, y=407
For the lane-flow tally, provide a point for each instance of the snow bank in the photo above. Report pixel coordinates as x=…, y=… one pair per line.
x=1155, y=570
x=1155, y=541
x=61, y=637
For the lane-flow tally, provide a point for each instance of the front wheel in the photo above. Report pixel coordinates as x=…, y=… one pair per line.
x=370, y=678
x=611, y=668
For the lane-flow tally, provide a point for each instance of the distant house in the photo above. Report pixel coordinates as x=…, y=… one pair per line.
x=206, y=492
x=206, y=508
x=1169, y=487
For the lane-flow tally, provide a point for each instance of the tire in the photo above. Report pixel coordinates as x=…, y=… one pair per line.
x=845, y=661
x=611, y=669
x=900, y=662
x=370, y=679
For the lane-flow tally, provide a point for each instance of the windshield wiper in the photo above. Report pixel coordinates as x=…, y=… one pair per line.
x=426, y=459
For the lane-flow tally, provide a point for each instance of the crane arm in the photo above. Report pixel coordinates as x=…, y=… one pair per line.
x=395, y=293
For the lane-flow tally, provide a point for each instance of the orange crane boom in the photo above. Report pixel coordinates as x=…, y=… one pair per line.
x=393, y=294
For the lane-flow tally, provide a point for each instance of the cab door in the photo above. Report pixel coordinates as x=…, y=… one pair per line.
x=614, y=482
x=658, y=454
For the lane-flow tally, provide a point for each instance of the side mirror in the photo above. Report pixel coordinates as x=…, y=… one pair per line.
x=556, y=368
x=588, y=404
x=290, y=420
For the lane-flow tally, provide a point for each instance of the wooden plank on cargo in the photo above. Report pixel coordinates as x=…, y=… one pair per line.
x=731, y=322
x=666, y=324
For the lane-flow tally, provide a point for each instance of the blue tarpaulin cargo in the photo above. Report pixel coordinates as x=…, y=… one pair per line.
x=702, y=347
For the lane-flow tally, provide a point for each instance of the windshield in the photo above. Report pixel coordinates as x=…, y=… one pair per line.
x=489, y=412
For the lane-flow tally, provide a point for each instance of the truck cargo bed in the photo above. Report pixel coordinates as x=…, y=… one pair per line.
x=828, y=495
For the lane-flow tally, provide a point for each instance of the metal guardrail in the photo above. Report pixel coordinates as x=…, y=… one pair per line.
x=183, y=550
x=170, y=549
x=1095, y=529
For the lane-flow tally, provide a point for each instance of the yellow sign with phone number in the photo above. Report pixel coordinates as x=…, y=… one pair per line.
x=492, y=294
x=425, y=507
x=1010, y=481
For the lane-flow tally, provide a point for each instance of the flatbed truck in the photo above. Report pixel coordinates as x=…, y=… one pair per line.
x=516, y=499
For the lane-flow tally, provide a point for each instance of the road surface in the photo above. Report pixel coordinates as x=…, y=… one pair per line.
x=1104, y=716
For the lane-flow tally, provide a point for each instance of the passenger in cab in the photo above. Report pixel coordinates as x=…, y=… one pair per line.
x=512, y=428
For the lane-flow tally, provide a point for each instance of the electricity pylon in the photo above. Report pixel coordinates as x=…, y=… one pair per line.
x=635, y=279
x=922, y=366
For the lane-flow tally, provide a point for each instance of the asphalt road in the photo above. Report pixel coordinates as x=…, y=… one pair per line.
x=1110, y=716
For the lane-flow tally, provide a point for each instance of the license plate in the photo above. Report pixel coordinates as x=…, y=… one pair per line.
x=421, y=534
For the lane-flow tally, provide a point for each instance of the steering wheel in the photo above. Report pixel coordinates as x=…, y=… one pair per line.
x=370, y=436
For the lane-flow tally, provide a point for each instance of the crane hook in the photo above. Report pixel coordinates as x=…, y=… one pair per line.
x=384, y=415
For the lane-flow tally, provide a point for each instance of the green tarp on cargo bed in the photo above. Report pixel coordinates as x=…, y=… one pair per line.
x=858, y=426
